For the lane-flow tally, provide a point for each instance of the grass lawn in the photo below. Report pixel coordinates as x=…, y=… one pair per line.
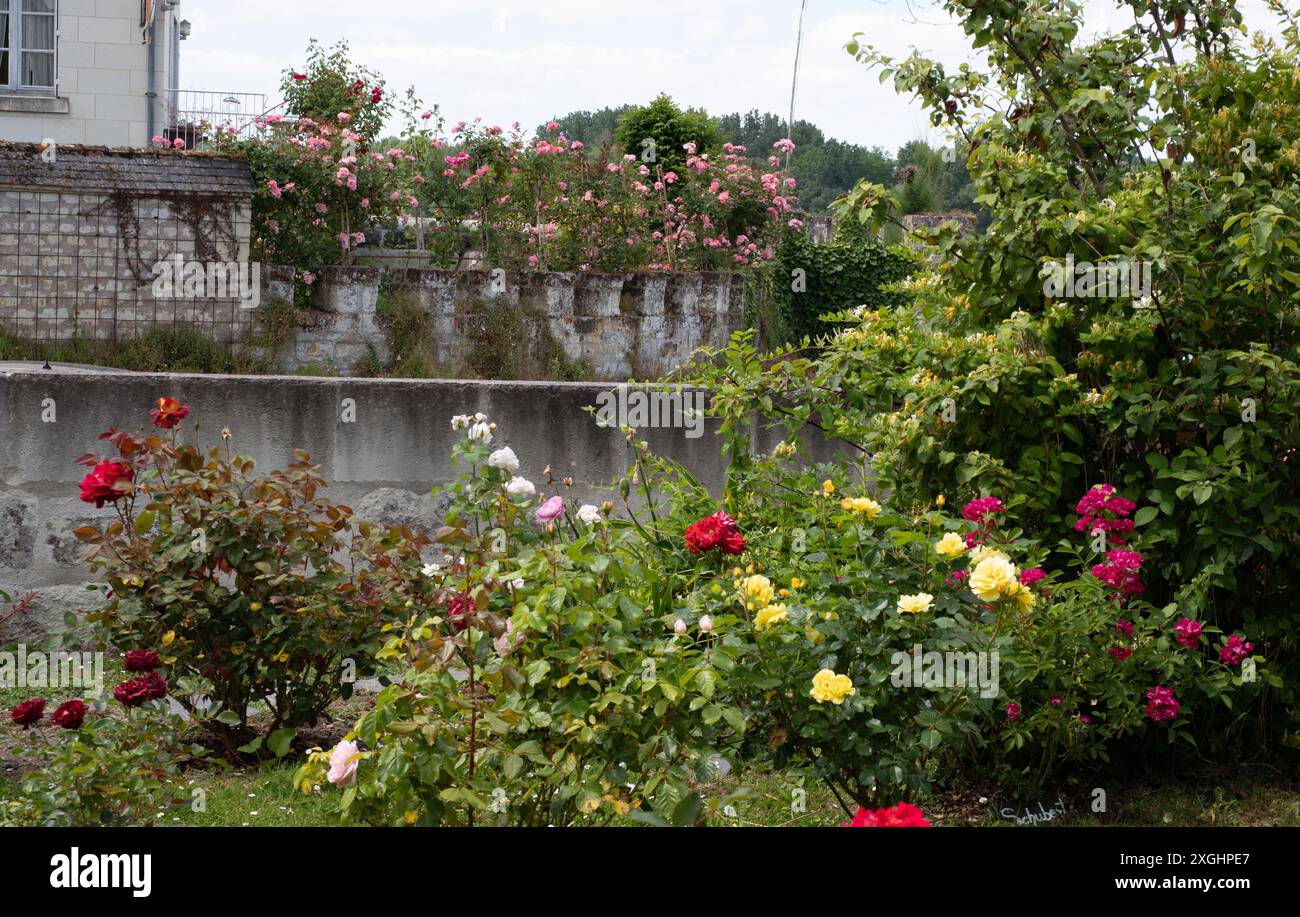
x=264, y=796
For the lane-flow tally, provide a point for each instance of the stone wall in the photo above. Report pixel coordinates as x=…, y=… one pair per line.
x=383, y=464
x=83, y=230
x=517, y=325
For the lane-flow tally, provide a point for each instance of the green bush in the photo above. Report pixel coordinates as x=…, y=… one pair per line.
x=670, y=128
x=1185, y=395
x=540, y=680
x=808, y=279
x=254, y=587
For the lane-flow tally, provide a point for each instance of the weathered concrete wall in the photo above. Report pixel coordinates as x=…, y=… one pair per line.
x=504, y=324
x=383, y=465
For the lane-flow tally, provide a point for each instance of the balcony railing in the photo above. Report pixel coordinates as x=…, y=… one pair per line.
x=194, y=112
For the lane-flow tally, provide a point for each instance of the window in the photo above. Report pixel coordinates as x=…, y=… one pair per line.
x=28, y=29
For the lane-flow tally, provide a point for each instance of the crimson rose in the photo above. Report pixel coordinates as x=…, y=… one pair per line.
x=97, y=487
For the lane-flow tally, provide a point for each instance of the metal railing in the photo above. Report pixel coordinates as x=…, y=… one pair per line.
x=190, y=110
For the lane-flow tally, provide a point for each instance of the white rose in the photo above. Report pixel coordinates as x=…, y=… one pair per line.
x=505, y=459
x=480, y=433
x=680, y=627
x=521, y=487
x=589, y=514
x=460, y=422
x=431, y=569
x=706, y=624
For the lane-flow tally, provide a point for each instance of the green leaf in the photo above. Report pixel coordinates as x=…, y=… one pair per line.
x=279, y=741
x=1145, y=515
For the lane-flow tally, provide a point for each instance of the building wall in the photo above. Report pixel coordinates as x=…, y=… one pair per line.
x=103, y=80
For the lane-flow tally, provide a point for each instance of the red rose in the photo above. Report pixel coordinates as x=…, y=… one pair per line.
x=460, y=610
x=141, y=661
x=732, y=543
x=704, y=535
x=70, y=714
x=169, y=413
x=903, y=815
x=97, y=487
x=300, y=76
x=716, y=530
x=28, y=712
x=143, y=688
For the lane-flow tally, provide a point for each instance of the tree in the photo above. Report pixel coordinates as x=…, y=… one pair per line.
x=659, y=132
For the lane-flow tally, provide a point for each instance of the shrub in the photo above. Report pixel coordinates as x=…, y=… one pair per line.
x=541, y=680
x=669, y=129
x=1185, y=395
x=249, y=584
x=101, y=769
x=885, y=645
x=807, y=280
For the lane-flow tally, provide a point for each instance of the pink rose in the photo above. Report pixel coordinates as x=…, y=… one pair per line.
x=551, y=510
x=343, y=764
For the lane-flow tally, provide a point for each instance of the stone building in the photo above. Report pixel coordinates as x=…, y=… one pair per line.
x=100, y=72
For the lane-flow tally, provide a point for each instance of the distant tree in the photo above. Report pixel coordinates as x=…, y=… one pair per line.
x=669, y=128
x=596, y=129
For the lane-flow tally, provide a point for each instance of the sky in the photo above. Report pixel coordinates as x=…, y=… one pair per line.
x=530, y=60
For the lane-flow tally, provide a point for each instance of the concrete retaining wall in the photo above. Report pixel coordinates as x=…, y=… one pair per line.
x=383, y=464
x=505, y=324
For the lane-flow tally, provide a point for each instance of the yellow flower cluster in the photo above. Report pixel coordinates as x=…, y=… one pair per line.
x=996, y=577
x=827, y=686
x=861, y=505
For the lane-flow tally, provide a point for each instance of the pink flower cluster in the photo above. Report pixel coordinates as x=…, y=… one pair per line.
x=1100, y=510
x=1188, y=633
x=1161, y=704
x=982, y=512
x=1121, y=572
x=1235, y=650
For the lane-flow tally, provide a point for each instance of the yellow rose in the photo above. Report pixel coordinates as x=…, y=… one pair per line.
x=993, y=577
x=410, y=816
x=939, y=500
x=828, y=487
x=770, y=615
x=755, y=591
x=980, y=553
x=795, y=582
x=1023, y=595
x=950, y=546
x=861, y=505
x=915, y=604
x=827, y=686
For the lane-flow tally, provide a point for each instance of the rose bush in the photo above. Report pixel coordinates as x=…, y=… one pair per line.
x=884, y=644
x=253, y=588
x=103, y=768
x=541, y=679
